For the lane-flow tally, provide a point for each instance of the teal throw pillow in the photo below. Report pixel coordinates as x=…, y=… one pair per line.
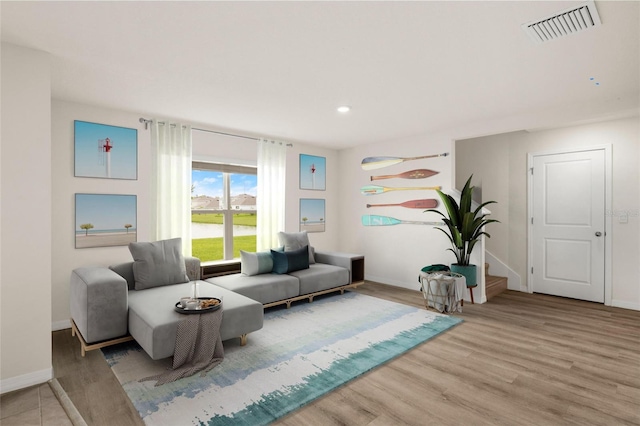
x=290, y=261
x=255, y=263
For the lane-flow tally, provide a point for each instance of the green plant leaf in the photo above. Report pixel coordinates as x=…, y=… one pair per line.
x=435, y=211
x=466, y=197
x=451, y=206
x=481, y=206
x=463, y=226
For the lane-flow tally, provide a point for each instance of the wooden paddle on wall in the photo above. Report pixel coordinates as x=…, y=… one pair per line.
x=411, y=174
x=374, y=189
x=371, y=163
x=375, y=220
x=427, y=203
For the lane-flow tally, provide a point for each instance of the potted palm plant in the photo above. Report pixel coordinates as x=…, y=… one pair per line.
x=464, y=227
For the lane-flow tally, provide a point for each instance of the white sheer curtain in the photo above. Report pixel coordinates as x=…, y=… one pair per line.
x=272, y=158
x=171, y=182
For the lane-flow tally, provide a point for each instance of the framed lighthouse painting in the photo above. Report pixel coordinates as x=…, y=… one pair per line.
x=313, y=172
x=104, y=151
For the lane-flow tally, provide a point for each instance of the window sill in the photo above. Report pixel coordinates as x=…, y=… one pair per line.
x=219, y=267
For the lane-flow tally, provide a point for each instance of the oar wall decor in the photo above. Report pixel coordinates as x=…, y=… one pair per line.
x=427, y=203
x=371, y=163
x=374, y=189
x=411, y=174
x=375, y=220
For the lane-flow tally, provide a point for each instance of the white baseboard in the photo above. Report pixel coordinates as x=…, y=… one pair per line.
x=383, y=280
x=26, y=380
x=402, y=284
x=501, y=270
x=61, y=325
x=625, y=305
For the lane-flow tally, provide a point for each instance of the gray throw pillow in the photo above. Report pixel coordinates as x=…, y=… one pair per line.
x=295, y=241
x=255, y=263
x=158, y=263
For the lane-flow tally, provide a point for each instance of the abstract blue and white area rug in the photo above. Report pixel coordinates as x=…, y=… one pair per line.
x=300, y=354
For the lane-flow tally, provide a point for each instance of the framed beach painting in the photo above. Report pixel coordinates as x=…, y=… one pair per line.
x=103, y=151
x=313, y=172
x=105, y=220
x=312, y=214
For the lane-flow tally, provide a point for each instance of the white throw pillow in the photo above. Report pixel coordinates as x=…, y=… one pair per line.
x=255, y=263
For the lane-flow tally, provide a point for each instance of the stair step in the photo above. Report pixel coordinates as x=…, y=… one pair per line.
x=494, y=285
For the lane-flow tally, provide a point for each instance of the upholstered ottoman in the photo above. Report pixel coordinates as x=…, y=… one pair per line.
x=153, y=321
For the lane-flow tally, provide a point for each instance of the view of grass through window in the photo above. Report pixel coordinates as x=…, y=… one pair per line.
x=208, y=249
x=218, y=197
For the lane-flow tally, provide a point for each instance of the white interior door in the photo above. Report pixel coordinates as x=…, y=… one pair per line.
x=569, y=225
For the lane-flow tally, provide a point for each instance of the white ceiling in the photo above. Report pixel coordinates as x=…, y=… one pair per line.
x=280, y=69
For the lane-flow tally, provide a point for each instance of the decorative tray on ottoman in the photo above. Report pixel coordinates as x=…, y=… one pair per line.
x=200, y=310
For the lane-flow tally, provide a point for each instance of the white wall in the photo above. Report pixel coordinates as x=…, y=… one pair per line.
x=26, y=246
x=394, y=254
x=328, y=240
x=64, y=185
x=488, y=161
x=622, y=134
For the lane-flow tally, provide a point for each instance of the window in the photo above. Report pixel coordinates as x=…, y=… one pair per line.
x=223, y=210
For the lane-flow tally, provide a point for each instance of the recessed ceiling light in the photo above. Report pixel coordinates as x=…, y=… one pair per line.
x=344, y=109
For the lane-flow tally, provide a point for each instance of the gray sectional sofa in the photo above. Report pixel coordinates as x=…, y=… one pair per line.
x=135, y=300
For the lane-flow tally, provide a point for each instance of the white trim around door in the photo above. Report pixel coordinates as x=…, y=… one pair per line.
x=607, y=148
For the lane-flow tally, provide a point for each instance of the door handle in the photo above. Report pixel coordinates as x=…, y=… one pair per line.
x=598, y=234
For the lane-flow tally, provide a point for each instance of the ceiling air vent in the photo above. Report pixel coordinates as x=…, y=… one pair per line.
x=562, y=24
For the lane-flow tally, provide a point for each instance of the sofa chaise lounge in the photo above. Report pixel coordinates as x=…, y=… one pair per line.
x=106, y=309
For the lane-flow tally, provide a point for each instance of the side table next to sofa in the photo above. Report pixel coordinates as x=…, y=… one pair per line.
x=443, y=290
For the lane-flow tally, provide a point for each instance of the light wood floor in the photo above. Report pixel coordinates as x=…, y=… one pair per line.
x=519, y=359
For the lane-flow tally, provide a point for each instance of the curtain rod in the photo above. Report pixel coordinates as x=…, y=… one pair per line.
x=147, y=122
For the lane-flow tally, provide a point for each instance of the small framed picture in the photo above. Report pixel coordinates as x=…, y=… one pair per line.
x=312, y=214
x=313, y=172
x=105, y=220
x=103, y=151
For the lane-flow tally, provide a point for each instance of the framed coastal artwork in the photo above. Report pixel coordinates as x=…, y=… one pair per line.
x=312, y=214
x=103, y=151
x=105, y=220
x=313, y=172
